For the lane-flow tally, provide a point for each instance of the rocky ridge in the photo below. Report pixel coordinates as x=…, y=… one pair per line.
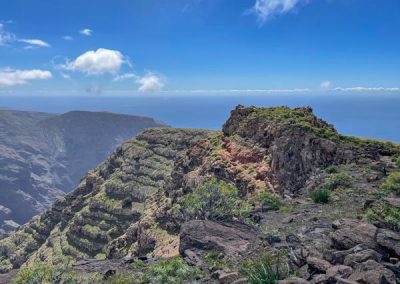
x=274, y=182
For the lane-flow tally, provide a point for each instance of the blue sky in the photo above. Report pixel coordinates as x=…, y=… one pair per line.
x=148, y=46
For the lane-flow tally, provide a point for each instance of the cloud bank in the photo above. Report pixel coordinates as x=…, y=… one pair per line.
x=9, y=77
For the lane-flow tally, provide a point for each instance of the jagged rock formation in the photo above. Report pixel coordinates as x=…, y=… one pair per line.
x=273, y=179
x=43, y=156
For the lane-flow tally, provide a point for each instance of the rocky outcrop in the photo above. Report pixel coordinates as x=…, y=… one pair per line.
x=356, y=255
x=228, y=239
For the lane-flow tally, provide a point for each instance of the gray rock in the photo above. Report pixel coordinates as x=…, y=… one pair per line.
x=342, y=271
x=229, y=238
x=389, y=240
x=372, y=272
x=293, y=280
x=361, y=256
x=348, y=238
x=318, y=264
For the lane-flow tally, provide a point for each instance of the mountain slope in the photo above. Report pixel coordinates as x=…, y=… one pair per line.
x=45, y=155
x=275, y=181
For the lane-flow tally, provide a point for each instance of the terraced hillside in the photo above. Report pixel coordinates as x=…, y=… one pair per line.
x=43, y=156
x=107, y=201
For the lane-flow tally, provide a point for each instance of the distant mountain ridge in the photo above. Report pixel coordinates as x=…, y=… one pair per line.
x=43, y=155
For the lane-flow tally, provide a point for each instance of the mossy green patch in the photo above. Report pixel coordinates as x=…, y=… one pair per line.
x=392, y=183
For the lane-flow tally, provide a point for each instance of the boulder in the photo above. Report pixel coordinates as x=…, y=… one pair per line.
x=372, y=272
x=361, y=256
x=348, y=238
x=225, y=277
x=229, y=238
x=342, y=271
x=318, y=264
x=389, y=240
x=319, y=279
x=293, y=280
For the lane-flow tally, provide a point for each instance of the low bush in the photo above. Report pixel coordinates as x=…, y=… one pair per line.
x=267, y=200
x=321, y=196
x=214, y=199
x=41, y=273
x=392, y=183
x=337, y=180
x=214, y=260
x=268, y=269
x=384, y=213
x=172, y=271
x=332, y=169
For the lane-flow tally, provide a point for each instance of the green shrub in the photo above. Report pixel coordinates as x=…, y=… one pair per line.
x=392, y=183
x=214, y=260
x=384, y=213
x=125, y=279
x=127, y=202
x=172, y=271
x=214, y=199
x=267, y=200
x=41, y=273
x=268, y=269
x=332, y=169
x=397, y=161
x=337, y=180
x=321, y=196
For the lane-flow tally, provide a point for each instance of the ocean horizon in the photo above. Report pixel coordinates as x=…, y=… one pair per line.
x=364, y=115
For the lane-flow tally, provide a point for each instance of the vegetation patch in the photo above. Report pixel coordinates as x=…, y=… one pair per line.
x=215, y=260
x=392, y=183
x=216, y=200
x=384, y=213
x=267, y=269
x=267, y=200
x=171, y=271
x=332, y=169
x=337, y=180
x=41, y=273
x=321, y=196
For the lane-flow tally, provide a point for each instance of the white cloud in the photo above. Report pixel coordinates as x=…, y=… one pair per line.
x=367, y=89
x=266, y=9
x=6, y=37
x=67, y=38
x=9, y=37
x=97, y=62
x=9, y=77
x=150, y=83
x=65, y=76
x=34, y=42
x=125, y=76
x=325, y=84
x=86, y=32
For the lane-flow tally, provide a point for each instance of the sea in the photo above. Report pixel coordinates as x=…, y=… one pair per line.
x=364, y=115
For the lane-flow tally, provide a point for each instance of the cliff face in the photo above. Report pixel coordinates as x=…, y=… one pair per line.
x=273, y=179
x=43, y=156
